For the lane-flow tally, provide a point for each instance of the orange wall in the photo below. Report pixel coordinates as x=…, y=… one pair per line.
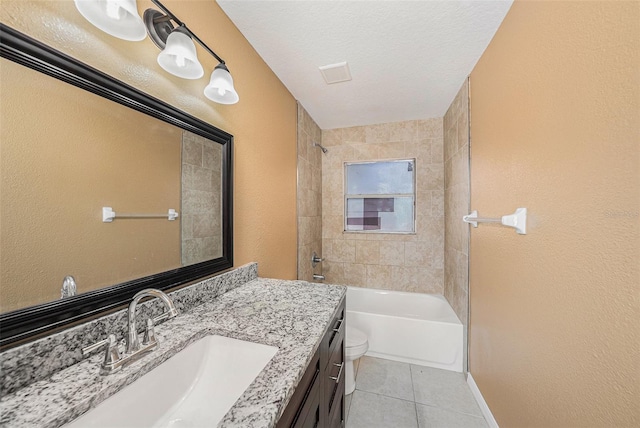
x=65, y=154
x=263, y=122
x=555, y=127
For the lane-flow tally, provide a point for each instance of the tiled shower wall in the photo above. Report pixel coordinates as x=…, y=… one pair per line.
x=309, y=197
x=201, y=215
x=390, y=261
x=457, y=199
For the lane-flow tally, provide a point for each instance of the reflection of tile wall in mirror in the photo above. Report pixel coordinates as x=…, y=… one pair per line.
x=201, y=202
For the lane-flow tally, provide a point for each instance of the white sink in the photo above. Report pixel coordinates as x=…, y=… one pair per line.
x=194, y=388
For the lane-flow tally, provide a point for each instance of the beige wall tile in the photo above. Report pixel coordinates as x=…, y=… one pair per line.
x=368, y=252
x=364, y=152
x=449, y=272
x=391, y=253
x=304, y=175
x=391, y=150
x=197, y=178
x=437, y=203
x=344, y=251
x=333, y=272
x=379, y=277
x=205, y=225
x=309, y=194
x=332, y=226
x=431, y=177
x=431, y=229
x=212, y=155
x=417, y=253
x=303, y=144
x=305, y=233
x=430, y=128
x=411, y=150
x=450, y=142
x=327, y=250
x=377, y=133
x=456, y=204
x=402, y=131
x=332, y=137
x=423, y=202
x=448, y=174
x=463, y=131
x=354, y=135
x=423, y=152
x=316, y=178
x=186, y=222
x=304, y=267
x=191, y=150
x=437, y=147
x=355, y=274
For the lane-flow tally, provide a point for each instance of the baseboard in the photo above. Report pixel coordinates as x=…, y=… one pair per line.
x=484, y=408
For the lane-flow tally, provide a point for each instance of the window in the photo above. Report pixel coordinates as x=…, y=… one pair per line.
x=380, y=196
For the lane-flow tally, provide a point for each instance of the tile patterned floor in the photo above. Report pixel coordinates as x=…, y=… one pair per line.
x=390, y=394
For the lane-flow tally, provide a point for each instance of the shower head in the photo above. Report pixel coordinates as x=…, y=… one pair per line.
x=324, y=150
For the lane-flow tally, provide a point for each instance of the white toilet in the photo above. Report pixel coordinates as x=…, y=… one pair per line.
x=356, y=344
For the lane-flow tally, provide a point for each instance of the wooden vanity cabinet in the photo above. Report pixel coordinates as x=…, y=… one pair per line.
x=318, y=401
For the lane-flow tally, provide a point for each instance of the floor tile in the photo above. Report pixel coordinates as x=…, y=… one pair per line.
x=443, y=388
x=435, y=417
x=390, y=378
x=377, y=411
x=347, y=406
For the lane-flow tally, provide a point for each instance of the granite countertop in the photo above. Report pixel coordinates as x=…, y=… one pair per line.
x=291, y=315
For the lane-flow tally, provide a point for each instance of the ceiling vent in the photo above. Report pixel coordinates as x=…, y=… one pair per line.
x=336, y=73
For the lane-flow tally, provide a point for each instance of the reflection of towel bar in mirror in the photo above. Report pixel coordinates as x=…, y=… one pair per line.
x=517, y=220
x=108, y=214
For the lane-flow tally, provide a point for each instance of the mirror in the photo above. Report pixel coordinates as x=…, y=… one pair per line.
x=69, y=152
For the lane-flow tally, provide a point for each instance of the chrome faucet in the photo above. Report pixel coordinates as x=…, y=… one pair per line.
x=113, y=360
x=133, y=344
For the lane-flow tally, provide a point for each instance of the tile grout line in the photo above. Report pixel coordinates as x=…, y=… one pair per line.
x=382, y=395
x=413, y=390
x=453, y=410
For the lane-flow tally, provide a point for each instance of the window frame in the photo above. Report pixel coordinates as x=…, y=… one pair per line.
x=347, y=196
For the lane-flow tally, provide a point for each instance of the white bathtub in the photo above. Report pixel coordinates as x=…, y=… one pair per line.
x=409, y=327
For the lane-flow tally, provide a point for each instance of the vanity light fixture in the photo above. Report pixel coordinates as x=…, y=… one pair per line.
x=119, y=18
x=179, y=57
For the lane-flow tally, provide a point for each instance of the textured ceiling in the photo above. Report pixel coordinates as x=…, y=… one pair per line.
x=407, y=58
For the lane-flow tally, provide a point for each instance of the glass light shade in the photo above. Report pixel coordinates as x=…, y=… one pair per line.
x=179, y=57
x=118, y=18
x=220, y=88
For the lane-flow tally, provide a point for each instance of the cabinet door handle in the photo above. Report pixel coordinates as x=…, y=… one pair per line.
x=337, y=378
x=337, y=329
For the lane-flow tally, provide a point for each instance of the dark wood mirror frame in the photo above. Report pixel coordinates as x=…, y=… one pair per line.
x=24, y=324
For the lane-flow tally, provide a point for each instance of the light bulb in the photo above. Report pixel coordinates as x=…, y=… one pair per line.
x=181, y=61
x=221, y=92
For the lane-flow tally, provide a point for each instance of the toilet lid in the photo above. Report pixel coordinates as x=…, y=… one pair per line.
x=355, y=337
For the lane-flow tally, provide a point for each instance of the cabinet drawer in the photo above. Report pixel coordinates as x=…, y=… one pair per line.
x=334, y=336
x=310, y=415
x=334, y=380
x=305, y=397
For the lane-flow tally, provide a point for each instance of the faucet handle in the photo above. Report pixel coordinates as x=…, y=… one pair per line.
x=112, y=353
x=149, y=332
